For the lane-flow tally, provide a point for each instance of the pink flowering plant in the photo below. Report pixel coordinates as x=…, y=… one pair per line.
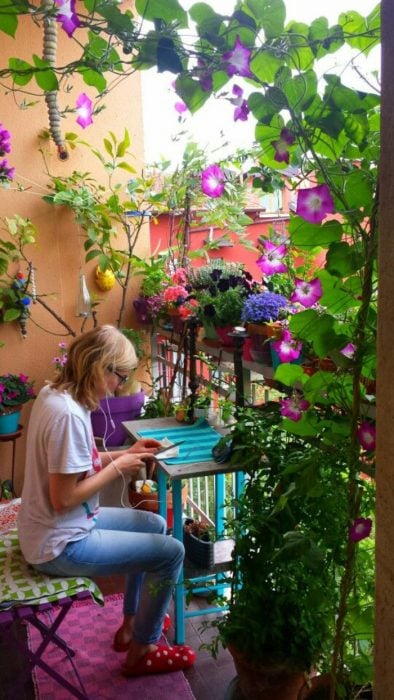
x=15, y=389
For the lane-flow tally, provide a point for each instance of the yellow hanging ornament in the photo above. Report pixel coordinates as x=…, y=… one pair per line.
x=105, y=279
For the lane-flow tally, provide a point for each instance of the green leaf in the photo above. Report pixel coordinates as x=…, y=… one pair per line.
x=123, y=145
x=336, y=297
x=167, y=56
x=300, y=90
x=358, y=190
x=269, y=14
x=8, y=18
x=125, y=166
x=22, y=72
x=108, y=147
x=265, y=65
x=344, y=259
x=92, y=255
x=191, y=93
x=11, y=315
x=168, y=11
x=325, y=40
x=93, y=78
x=306, y=235
x=289, y=374
x=360, y=33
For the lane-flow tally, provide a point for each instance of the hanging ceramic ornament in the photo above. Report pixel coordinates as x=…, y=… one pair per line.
x=105, y=279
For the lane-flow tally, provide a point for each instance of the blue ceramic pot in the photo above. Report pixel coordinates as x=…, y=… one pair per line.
x=9, y=422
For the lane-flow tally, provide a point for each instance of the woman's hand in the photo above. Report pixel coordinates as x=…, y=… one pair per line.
x=131, y=462
x=145, y=445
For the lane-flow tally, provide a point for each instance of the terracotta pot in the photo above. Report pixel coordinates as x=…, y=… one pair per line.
x=265, y=682
x=223, y=335
x=150, y=501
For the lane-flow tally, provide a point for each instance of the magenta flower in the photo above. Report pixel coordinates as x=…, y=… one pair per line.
x=349, y=350
x=271, y=261
x=294, y=407
x=212, y=181
x=242, y=110
x=180, y=107
x=360, y=529
x=6, y=173
x=314, y=203
x=66, y=16
x=287, y=347
x=366, y=434
x=84, y=110
x=238, y=60
x=286, y=139
x=307, y=293
x=5, y=145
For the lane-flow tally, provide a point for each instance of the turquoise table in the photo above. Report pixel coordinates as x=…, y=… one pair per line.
x=195, y=459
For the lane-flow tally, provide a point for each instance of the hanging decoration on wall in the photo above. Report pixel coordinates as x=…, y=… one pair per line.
x=105, y=279
x=84, y=302
x=51, y=97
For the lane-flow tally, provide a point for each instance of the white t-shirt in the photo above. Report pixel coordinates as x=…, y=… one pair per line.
x=59, y=441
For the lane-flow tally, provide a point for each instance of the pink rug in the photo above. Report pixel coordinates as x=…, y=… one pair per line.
x=89, y=630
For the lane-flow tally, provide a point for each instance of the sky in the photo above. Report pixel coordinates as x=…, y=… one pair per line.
x=213, y=127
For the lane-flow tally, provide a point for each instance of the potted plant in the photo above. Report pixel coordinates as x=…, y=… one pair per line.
x=261, y=313
x=199, y=542
x=287, y=559
x=219, y=288
x=15, y=390
x=149, y=302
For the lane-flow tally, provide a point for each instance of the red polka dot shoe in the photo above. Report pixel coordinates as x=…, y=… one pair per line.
x=124, y=646
x=162, y=660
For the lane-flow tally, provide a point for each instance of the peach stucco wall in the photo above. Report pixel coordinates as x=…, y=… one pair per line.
x=59, y=252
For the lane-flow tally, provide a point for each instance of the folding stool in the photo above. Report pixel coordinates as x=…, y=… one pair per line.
x=43, y=601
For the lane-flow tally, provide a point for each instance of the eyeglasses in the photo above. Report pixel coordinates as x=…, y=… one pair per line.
x=122, y=378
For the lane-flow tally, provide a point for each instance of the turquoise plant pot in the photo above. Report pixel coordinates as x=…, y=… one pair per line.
x=9, y=422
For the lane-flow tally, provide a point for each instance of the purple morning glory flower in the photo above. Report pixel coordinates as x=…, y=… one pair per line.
x=6, y=173
x=180, y=107
x=67, y=17
x=5, y=145
x=84, y=110
x=307, y=293
x=242, y=110
x=294, y=407
x=366, y=434
x=349, y=350
x=286, y=139
x=238, y=60
x=314, y=203
x=212, y=181
x=271, y=261
x=287, y=348
x=360, y=529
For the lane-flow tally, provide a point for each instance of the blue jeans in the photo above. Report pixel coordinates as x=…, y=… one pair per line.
x=132, y=542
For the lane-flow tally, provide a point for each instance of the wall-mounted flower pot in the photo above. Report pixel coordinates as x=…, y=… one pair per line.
x=9, y=422
x=116, y=409
x=224, y=337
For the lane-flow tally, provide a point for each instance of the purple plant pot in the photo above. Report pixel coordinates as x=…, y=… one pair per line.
x=116, y=409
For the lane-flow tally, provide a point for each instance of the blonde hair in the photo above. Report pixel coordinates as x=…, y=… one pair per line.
x=103, y=349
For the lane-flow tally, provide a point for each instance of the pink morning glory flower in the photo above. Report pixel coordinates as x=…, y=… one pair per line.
x=238, y=60
x=84, y=110
x=360, y=529
x=271, y=261
x=286, y=139
x=212, y=181
x=294, y=407
x=5, y=143
x=287, y=348
x=6, y=173
x=366, y=434
x=349, y=350
x=180, y=107
x=241, y=111
x=67, y=17
x=307, y=293
x=314, y=203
